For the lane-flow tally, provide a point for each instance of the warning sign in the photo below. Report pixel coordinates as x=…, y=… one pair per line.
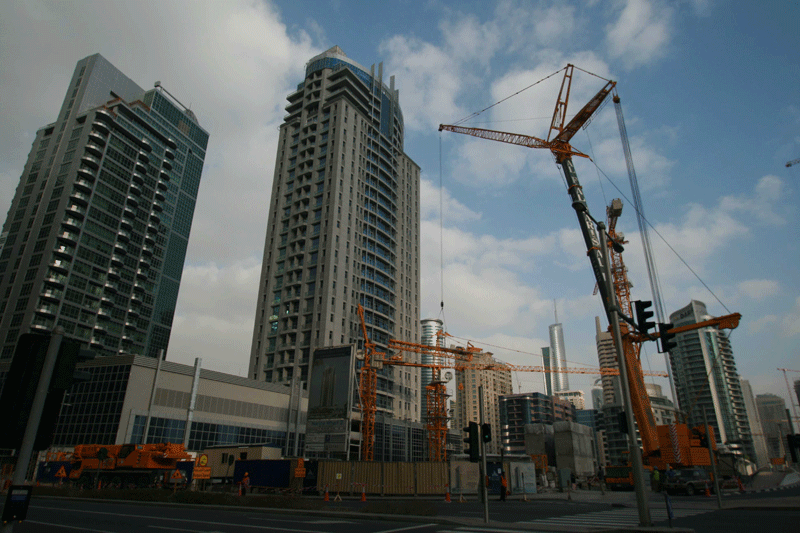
x=62, y=472
x=176, y=476
x=300, y=471
x=202, y=460
x=201, y=472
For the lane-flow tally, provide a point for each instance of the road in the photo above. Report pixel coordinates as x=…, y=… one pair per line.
x=751, y=513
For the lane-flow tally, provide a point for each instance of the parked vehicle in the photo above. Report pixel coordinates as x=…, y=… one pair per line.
x=688, y=480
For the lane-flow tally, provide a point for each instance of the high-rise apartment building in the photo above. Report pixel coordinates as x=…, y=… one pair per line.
x=431, y=328
x=343, y=230
x=761, y=458
x=555, y=358
x=772, y=411
x=517, y=410
x=607, y=356
x=705, y=378
x=96, y=236
x=495, y=384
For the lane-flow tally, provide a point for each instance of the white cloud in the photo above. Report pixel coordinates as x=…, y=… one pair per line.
x=791, y=322
x=641, y=33
x=431, y=206
x=758, y=289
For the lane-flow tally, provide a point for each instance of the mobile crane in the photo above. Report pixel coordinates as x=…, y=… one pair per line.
x=618, y=314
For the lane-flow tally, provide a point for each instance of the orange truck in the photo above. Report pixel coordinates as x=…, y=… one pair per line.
x=140, y=465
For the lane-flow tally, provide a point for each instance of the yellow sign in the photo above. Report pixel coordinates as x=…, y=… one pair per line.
x=201, y=472
x=202, y=460
x=62, y=472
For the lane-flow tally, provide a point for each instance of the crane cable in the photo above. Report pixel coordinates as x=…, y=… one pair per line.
x=441, y=237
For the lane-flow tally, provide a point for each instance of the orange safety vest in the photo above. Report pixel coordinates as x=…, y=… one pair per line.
x=503, y=481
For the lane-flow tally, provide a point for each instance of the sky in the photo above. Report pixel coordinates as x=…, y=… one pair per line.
x=709, y=92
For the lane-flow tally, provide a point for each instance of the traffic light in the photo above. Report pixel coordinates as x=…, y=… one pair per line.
x=643, y=313
x=473, y=440
x=486, y=432
x=667, y=339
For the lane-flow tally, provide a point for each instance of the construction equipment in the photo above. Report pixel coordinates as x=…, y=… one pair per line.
x=792, y=162
x=656, y=442
x=142, y=465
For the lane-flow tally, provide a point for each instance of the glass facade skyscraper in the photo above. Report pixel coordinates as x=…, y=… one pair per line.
x=343, y=230
x=96, y=236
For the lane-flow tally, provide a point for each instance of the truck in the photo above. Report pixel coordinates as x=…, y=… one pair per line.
x=139, y=465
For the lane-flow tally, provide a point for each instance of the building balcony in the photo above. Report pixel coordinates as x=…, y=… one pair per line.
x=146, y=146
x=158, y=207
x=55, y=279
x=162, y=185
x=152, y=228
x=149, y=238
x=144, y=261
x=167, y=164
x=171, y=143
x=76, y=210
x=164, y=175
x=123, y=235
x=51, y=294
x=83, y=184
x=143, y=157
x=141, y=274
x=100, y=127
x=169, y=154
x=140, y=167
x=120, y=249
x=160, y=195
x=111, y=287
x=87, y=173
x=67, y=252
x=94, y=150
x=113, y=273
x=132, y=200
x=80, y=197
x=71, y=237
x=155, y=218
x=135, y=190
x=107, y=301
x=137, y=178
x=133, y=312
x=104, y=115
x=103, y=313
x=96, y=343
x=117, y=261
x=90, y=161
x=96, y=138
x=128, y=212
x=59, y=265
x=72, y=223
x=147, y=250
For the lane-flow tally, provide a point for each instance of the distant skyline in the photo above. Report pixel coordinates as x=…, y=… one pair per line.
x=709, y=93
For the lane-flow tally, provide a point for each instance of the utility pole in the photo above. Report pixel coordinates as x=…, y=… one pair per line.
x=484, y=490
x=26, y=448
x=713, y=461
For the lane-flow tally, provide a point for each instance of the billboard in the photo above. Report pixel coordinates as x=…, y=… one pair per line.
x=331, y=383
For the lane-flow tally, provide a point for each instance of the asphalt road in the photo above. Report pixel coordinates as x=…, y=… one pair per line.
x=765, y=512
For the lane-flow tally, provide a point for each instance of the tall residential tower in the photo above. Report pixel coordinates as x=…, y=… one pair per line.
x=96, y=236
x=706, y=378
x=343, y=230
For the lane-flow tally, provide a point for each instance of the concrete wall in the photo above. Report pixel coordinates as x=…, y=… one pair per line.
x=574, y=450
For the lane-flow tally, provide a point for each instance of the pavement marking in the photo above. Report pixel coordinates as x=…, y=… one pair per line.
x=614, y=517
x=405, y=528
x=227, y=524
x=67, y=527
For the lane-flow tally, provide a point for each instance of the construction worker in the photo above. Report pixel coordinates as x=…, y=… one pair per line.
x=656, y=480
x=503, y=486
x=245, y=483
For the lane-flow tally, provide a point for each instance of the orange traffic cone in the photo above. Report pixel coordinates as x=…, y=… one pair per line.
x=240, y=489
x=741, y=487
x=327, y=497
x=363, y=493
x=447, y=496
x=708, y=492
